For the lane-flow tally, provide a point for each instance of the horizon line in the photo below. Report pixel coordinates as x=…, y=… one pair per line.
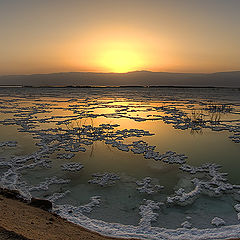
x=149, y=71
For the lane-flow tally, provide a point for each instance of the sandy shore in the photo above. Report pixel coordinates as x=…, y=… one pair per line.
x=20, y=221
x=6, y=235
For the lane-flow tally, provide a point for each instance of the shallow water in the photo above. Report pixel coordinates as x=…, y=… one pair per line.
x=26, y=112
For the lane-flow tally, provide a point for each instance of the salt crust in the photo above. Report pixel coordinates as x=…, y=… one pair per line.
x=8, y=144
x=218, y=221
x=72, y=166
x=145, y=186
x=104, y=179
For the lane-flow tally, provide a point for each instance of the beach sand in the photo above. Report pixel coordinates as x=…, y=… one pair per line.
x=6, y=235
x=19, y=220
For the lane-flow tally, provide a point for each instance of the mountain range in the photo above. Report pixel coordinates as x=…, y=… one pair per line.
x=137, y=78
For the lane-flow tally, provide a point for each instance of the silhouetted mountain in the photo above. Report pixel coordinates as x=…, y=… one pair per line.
x=140, y=78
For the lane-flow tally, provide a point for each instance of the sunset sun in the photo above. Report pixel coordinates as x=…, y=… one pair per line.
x=120, y=61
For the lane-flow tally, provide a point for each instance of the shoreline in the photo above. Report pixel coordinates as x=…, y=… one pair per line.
x=30, y=220
x=25, y=222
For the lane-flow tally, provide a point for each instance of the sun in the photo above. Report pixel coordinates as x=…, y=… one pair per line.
x=121, y=60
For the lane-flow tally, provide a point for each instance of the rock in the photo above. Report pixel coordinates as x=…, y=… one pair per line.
x=41, y=203
x=13, y=194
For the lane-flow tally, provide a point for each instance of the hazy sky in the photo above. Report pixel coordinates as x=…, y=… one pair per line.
x=41, y=36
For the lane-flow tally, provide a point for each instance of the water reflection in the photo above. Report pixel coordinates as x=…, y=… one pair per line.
x=73, y=123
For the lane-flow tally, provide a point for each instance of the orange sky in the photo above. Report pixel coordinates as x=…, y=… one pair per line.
x=119, y=36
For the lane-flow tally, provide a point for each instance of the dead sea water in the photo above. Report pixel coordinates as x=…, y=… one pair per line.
x=142, y=158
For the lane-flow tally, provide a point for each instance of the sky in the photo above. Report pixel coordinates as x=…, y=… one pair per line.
x=44, y=36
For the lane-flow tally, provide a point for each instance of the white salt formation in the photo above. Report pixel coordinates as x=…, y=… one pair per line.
x=72, y=166
x=75, y=211
x=48, y=181
x=216, y=185
x=147, y=214
x=65, y=155
x=218, y=221
x=186, y=224
x=104, y=179
x=8, y=144
x=146, y=186
x=57, y=196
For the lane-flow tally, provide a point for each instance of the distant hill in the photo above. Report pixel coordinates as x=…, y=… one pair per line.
x=138, y=78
